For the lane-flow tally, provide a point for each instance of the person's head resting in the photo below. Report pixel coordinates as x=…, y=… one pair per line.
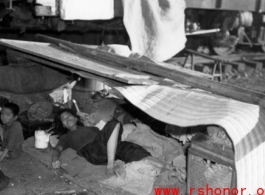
x=9, y=113
x=68, y=119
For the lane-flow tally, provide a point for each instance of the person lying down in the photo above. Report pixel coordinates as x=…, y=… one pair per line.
x=101, y=144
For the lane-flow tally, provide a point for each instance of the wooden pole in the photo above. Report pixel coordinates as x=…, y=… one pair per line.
x=180, y=75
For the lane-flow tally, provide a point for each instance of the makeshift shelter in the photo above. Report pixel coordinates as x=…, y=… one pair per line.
x=168, y=97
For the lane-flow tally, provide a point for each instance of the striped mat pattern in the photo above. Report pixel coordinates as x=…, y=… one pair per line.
x=244, y=123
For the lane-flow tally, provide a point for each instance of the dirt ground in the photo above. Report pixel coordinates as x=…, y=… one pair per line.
x=249, y=79
x=28, y=176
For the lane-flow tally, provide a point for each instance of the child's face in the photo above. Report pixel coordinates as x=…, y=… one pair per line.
x=7, y=116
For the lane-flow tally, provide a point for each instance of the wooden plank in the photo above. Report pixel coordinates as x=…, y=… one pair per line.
x=114, y=59
x=109, y=82
x=182, y=77
x=176, y=75
x=230, y=58
x=223, y=60
x=54, y=54
x=238, y=65
x=132, y=76
x=255, y=64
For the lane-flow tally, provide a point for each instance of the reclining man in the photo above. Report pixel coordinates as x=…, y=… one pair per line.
x=100, y=147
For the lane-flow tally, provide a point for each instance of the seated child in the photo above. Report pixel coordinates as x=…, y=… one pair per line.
x=11, y=132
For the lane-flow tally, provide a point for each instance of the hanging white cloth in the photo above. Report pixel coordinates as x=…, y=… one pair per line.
x=155, y=27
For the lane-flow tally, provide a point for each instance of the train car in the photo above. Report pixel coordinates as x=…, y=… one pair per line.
x=240, y=23
x=222, y=25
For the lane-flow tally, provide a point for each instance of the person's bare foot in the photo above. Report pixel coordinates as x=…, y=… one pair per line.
x=109, y=171
x=119, y=170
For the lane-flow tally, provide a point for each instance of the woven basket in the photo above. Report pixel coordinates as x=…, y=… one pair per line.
x=39, y=111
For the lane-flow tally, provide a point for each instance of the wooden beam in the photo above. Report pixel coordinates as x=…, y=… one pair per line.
x=114, y=76
x=55, y=54
x=223, y=60
x=178, y=75
x=230, y=58
x=111, y=58
x=107, y=81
